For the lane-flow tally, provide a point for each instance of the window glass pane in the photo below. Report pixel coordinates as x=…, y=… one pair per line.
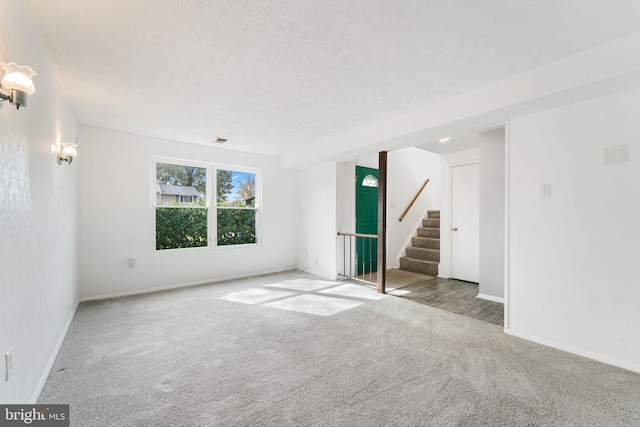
x=370, y=181
x=181, y=228
x=235, y=189
x=181, y=206
x=236, y=226
x=180, y=185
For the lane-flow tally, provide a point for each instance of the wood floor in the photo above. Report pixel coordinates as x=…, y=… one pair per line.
x=455, y=296
x=452, y=295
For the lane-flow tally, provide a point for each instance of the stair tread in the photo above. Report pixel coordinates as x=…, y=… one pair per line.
x=423, y=256
x=421, y=260
x=420, y=248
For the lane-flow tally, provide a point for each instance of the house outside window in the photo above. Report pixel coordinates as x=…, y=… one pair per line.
x=184, y=194
x=184, y=215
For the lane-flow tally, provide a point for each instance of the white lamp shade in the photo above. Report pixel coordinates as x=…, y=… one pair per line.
x=18, y=78
x=69, y=149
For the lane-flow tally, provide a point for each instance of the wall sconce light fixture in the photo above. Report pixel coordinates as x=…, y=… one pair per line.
x=69, y=151
x=16, y=84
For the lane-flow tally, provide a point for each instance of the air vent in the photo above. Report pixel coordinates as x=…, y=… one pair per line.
x=220, y=140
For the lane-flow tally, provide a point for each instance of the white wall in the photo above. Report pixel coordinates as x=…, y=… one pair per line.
x=492, y=176
x=447, y=162
x=408, y=168
x=573, y=270
x=346, y=215
x=38, y=283
x=116, y=217
x=317, y=231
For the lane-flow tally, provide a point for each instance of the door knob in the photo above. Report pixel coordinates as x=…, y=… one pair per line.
x=454, y=228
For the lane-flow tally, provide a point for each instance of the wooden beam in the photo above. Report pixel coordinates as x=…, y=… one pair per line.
x=382, y=222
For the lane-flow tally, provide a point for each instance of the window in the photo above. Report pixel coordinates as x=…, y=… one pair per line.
x=181, y=206
x=370, y=181
x=184, y=215
x=236, y=207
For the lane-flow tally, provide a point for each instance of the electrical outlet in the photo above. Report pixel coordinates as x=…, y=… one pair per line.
x=8, y=362
x=131, y=263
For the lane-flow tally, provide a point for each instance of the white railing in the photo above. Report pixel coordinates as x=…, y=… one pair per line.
x=358, y=269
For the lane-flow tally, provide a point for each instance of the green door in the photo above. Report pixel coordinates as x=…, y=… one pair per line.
x=366, y=218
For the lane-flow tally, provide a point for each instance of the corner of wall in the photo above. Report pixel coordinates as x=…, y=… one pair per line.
x=38, y=248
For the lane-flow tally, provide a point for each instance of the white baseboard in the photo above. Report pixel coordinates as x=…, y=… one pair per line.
x=180, y=285
x=52, y=358
x=490, y=298
x=580, y=352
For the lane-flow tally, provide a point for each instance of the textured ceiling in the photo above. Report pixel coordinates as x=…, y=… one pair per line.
x=276, y=76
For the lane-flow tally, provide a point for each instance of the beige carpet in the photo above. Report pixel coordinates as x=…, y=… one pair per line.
x=294, y=350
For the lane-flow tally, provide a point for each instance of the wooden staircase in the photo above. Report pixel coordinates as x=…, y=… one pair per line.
x=423, y=256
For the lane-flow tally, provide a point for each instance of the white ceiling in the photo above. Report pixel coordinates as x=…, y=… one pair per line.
x=277, y=76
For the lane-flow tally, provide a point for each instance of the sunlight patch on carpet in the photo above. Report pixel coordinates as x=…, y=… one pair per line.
x=304, y=284
x=315, y=304
x=354, y=291
x=256, y=295
x=319, y=297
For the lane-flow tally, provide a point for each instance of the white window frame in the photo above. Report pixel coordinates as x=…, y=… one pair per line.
x=211, y=201
x=257, y=205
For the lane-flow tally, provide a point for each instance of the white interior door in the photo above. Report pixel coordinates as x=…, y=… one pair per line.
x=465, y=222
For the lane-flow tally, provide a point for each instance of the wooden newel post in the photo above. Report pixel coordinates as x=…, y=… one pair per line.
x=382, y=221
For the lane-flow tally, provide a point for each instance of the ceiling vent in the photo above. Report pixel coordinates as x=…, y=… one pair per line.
x=220, y=140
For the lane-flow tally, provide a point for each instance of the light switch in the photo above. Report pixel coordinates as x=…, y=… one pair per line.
x=545, y=190
x=615, y=154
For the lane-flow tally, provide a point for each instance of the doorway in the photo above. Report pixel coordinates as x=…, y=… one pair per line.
x=366, y=218
x=465, y=222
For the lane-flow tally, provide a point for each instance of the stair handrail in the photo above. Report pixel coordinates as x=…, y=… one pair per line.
x=406, y=211
x=371, y=236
